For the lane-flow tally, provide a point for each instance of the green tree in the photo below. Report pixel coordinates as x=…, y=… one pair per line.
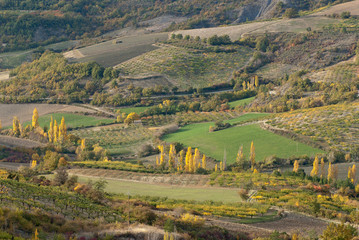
x=339, y=232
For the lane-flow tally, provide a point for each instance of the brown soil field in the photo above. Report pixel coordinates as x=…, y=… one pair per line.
x=181, y=179
x=24, y=111
x=283, y=25
x=11, y=142
x=352, y=7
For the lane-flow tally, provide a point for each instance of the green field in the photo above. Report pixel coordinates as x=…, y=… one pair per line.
x=137, y=110
x=72, y=120
x=241, y=102
x=213, y=144
x=173, y=192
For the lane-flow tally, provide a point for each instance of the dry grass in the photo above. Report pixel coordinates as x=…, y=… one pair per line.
x=352, y=7
x=283, y=25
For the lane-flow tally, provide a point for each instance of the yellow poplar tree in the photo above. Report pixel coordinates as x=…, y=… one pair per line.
x=50, y=133
x=188, y=168
x=352, y=173
x=295, y=166
x=252, y=156
x=172, y=156
x=216, y=168
x=204, y=162
x=33, y=164
x=35, y=119
x=16, y=126
x=83, y=144
x=196, y=158
x=315, y=169
x=56, y=132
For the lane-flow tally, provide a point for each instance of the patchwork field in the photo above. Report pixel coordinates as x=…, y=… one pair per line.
x=24, y=111
x=214, y=144
x=113, y=52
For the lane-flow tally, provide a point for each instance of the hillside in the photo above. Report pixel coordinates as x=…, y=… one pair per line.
x=27, y=24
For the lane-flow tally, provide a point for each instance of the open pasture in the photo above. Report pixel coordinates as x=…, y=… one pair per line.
x=173, y=192
x=241, y=102
x=215, y=143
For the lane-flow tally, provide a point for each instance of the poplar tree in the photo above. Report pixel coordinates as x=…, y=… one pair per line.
x=252, y=156
x=56, y=132
x=196, y=158
x=204, y=162
x=295, y=166
x=315, y=169
x=189, y=159
x=35, y=118
x=50, y=133
x=352, y=173
x=16, y=126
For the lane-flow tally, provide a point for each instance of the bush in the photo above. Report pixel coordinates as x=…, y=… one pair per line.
x=290, y=13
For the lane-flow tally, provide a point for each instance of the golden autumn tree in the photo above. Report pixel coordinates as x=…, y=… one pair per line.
x=172, y=157
x=295, y=166
x=189, y=160
x=252, y=156
x=204, y=162
x=315, y=169
x=50, y=133
x=35, y=118
x=352, y=173
x=56, y=132
x=196, y=159
x=131, y=118
x=16, y=127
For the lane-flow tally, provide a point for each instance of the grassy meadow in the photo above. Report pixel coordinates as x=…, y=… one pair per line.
x=241, y=102
x=72, y=120
x=213, y=144
x=137, y=110
x=174, y=192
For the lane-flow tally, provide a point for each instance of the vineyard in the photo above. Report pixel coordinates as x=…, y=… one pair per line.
x=114, y=165
x=335, y=125
x=188, y=68
x=116, y=139
x=53, y=200
x=343, y=73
